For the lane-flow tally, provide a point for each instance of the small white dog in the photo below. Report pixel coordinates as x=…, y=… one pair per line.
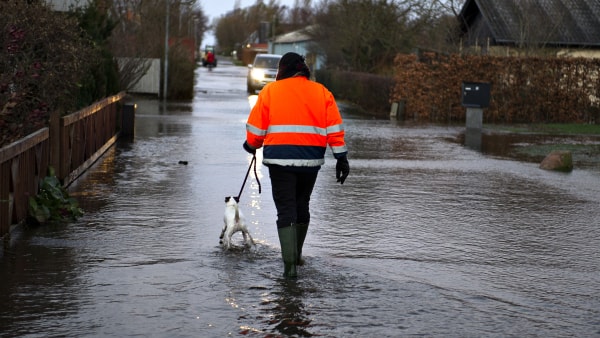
x=234, y=222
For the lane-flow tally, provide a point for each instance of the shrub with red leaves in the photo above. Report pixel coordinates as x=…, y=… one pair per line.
x=523, y=89
x=43, y=57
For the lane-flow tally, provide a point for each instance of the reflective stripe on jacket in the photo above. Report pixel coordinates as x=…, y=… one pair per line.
x=294, y=120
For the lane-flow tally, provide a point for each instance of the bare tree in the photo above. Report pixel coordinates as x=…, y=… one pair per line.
x=241, y=25
x=441, y=32
x=231, y=30
x=141, y=32
x=300, y=16
x=366, y=35
x=534, y=30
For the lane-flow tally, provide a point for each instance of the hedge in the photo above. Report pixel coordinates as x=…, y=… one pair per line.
x=523, y=90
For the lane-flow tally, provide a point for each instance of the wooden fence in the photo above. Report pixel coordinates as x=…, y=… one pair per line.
x=71, y=144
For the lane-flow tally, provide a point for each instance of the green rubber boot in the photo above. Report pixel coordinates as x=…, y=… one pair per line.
x=289, y=250
x=301, y=230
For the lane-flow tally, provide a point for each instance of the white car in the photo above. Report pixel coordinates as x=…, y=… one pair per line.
x=262, y=71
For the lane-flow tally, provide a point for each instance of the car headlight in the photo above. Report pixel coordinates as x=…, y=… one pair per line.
x=258, y=75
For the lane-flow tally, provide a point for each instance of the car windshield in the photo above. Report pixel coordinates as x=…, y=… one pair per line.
x=268, y=62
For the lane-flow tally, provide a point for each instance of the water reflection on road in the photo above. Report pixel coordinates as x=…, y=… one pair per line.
x=427, y=237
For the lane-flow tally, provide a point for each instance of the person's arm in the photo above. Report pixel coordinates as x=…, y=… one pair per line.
x=256, y=126
x=335, y=139
x=335, y=128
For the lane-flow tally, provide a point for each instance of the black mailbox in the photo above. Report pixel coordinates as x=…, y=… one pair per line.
x=476, y=94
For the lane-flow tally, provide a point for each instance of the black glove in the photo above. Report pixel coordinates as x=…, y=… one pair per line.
x=342, y=169
x=248, y=148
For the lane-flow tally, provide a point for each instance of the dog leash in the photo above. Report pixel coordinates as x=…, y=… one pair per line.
x=253, y=162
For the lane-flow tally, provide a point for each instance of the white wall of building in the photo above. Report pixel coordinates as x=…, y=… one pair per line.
x=66, y=5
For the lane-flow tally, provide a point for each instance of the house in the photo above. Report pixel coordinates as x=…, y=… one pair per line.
x=301, y=42
x=256, y=43
x=566, y=27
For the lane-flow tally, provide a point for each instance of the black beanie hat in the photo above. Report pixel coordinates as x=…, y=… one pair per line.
x=291, y=64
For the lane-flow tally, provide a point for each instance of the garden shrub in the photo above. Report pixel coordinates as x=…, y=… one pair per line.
x=181, y=73
x=48, y=63
x=52, y=203
x=523, y=89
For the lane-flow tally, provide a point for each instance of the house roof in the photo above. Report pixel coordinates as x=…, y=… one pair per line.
x=295, y=36
x=557, y=22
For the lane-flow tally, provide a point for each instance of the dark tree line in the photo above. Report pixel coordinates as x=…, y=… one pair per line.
x=356, y=35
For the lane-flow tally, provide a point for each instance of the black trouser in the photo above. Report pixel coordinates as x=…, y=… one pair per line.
x=291, y=194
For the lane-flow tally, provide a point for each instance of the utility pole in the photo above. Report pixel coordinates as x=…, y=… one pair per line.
x=166, y=73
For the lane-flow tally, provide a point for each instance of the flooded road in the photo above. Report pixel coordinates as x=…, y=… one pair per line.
x=427, y=237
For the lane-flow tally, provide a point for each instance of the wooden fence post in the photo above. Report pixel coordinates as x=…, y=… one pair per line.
x=55, y=142
x=128, y=120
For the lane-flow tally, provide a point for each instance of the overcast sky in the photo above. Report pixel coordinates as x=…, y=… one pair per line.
x=215, y=8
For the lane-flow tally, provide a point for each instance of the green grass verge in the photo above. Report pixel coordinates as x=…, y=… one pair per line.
x=582, y=140
x=548, y=128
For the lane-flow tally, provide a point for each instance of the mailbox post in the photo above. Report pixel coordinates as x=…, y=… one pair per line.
x=475, y=97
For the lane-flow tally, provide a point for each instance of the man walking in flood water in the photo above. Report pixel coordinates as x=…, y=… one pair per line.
x=295, y=119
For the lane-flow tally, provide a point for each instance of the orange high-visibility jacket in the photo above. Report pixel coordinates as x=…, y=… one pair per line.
x=294, y=119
